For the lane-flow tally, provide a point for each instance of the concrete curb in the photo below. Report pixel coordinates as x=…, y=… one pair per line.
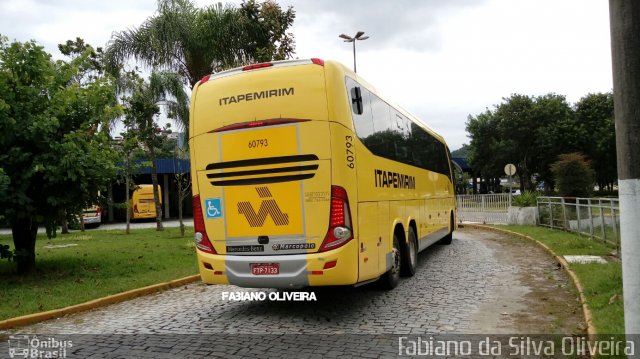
x=591, y=330
x=96, y=303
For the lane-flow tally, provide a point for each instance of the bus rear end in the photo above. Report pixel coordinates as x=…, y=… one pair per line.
x=143, y=205
x=267, y=212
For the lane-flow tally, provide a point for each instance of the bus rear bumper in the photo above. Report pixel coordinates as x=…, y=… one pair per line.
x=143, y=215
x=92, y=220
x=295, y=271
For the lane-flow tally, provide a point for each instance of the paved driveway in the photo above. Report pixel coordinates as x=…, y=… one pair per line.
x=482, y=283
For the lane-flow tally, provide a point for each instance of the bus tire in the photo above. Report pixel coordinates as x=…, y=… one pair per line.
x=391, y=279
x=446, y=240
x=410, y=255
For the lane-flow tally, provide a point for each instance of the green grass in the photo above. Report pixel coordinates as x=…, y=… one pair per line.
x=602, y=283
x=564, y=243
x=98, y=263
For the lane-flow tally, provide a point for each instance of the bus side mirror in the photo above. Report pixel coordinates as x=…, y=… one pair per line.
x=356, y=100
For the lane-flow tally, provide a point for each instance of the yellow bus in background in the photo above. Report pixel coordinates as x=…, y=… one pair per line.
x=304, y=175
x=143, y=205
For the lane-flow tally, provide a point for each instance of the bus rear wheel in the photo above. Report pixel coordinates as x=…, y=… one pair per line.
x=391, y=279
x=410, y=255
x=449, y=237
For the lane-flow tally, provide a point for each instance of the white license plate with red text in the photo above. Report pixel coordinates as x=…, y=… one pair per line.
x=265, y=268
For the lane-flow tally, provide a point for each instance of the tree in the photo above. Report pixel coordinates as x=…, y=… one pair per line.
x=552, y=135
x=265, y=37
x=128, y=147
x=594, y=123
x=462, y=152
x=4, y=183
x=49, y=148
x=141, y=110
x=89, y=69
x=486, y=149
x=183, y=183
x=195, y=42
x=573, y=174
x=5, y=251
x=522, y=131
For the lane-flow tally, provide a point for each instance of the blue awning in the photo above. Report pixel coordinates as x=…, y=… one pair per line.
x=168, y=166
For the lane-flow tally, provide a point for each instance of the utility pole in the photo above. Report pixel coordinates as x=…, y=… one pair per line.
x=625, y=50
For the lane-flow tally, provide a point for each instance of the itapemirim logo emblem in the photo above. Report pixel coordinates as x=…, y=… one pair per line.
x=268, y=206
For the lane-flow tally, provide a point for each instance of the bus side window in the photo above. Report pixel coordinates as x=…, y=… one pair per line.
x=381, y=116
x=361, y=107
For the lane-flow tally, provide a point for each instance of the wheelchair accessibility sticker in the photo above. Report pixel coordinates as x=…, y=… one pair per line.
x=213, y=207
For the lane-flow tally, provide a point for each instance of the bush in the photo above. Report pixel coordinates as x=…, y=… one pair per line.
x=527, y=199
x=573, y=175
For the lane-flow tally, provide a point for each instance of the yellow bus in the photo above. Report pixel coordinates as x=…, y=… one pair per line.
x=143, y=206
x=303, y=175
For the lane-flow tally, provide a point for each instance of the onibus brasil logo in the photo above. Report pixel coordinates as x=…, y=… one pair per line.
x=25, y=346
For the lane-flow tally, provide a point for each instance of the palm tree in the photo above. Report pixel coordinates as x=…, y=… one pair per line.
x=192, y=42
x=195, y=42
x=141, y=110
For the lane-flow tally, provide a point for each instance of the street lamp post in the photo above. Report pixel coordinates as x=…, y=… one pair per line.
x=358, y=36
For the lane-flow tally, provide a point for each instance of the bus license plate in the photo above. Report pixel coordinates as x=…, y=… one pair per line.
x=265, y=268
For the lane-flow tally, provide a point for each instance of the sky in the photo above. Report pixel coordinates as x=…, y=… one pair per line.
x=441, y=60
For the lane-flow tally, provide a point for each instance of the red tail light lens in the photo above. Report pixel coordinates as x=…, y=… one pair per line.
x=257, y=66
x=204, y=79
x=330, y=265
x=135, y=208
x=340, y=229
x=200, y=237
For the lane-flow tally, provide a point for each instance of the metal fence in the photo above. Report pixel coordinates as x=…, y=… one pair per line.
x=483, y=208
x=598, y=218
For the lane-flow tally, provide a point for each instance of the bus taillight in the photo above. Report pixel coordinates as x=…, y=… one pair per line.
x=200, y=237
x=205, y=79
x=260, y=123
x=257, y=66
x=339, y=231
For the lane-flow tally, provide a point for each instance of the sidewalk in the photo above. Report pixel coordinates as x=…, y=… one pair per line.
x=188, y=222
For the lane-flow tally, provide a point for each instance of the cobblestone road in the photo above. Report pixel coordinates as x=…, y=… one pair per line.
x=451, y=286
